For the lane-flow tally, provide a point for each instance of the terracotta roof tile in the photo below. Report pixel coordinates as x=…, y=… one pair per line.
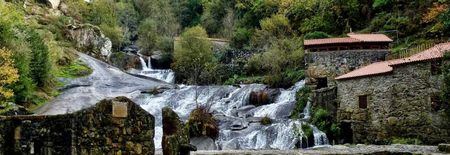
x=353, y=38
x=436, y=51
x=370, y=37
x=330, y=41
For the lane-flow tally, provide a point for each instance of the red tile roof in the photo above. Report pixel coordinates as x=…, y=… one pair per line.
x=353, y=38
x=435, y=52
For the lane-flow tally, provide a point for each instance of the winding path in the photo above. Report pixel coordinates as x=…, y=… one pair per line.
x=106, y=81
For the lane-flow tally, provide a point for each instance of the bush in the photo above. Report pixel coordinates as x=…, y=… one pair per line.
x=266, y=120
x=324, y=121
x=307, y=131
x=241, y=38
x=202, y=123
x=316, y=35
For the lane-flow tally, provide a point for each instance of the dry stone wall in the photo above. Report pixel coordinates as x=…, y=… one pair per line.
x=334, y=63
x=116, y=126
x=399, y=105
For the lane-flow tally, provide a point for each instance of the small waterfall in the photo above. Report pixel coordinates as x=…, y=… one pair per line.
x=144, y=65
x=166, y=75
x=320, y=138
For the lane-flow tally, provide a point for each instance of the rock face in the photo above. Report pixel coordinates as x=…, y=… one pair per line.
x=116, y=126
x=90, y=40
x=175, y=135
x=399, y=104
x=125, y=61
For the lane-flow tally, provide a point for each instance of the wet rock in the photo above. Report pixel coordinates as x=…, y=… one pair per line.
x=125, y=61
x=239, y=125
x=89, y=39
x=259, y=98
x=175, y=139
x=444, y=148
x=203, y=143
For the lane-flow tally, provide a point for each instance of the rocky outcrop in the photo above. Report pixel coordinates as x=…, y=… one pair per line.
x=90, y=40
x=263, y=97
x=175, y=139
x=125, y=61
x=116, y=126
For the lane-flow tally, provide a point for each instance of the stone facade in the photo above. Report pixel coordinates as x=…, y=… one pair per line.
x=115, y=126
x=398, y=105
x=331, y=64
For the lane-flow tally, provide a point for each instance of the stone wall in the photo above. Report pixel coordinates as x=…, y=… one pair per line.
x=115, y=126
x=399, y=105
x=331, y=64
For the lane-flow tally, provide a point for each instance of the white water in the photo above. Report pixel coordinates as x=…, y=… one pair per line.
x=160, y=74
x=238, y=121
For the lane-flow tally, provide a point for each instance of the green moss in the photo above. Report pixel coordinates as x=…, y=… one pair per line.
x=402, y=140
x=325, y=122
x=266, y=120
x=74, y=70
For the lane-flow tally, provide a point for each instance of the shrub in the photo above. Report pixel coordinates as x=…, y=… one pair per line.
x=8, y=73
x=324, y=121
x=266, y=120
x=202, y=123
x=241, y=38
x=307, y=131
x=316, y=35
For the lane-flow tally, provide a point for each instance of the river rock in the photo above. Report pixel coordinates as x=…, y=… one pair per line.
x=125, y=61
x=90, y=40
x=203, y=143
x=175, y=139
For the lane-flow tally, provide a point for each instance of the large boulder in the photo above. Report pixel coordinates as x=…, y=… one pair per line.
x=203, y=143
x=125, y=61
x=175, y=139
x=90, y=40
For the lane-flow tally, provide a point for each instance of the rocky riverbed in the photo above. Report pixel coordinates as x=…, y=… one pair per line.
x=336, y=149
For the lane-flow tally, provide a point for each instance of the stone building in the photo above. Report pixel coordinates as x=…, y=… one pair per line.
x=395, y=98
x=331, y=57
x=116, y=126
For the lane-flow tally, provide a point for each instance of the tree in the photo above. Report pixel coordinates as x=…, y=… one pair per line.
x=148, y=36
x=275, y=27
x=8, y=74
x=40, y=63
x=193, y=55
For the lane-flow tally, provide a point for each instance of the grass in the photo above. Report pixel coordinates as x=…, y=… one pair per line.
x=401, y=140
x=74, y=70
x=266, y=120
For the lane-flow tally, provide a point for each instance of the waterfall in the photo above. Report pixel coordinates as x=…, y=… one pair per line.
x=144, y=65
x=320, y=138
x=166, y=75
x=236, y=118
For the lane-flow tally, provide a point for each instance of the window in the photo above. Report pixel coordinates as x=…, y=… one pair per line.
x=436, y=67
x=362, y=101
x=322, y=83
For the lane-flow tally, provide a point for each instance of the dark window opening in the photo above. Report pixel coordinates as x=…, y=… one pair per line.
x=436, y=103
x=347, y=135
x=436, y=68
x=322, y=83
x=363, y=101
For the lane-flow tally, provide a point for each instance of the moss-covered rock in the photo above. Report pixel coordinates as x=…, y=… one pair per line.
x=175, y=139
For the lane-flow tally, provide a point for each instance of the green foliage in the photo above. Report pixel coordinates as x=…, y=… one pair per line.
x=324, y=121
x=202, y=123
x=380, y=3
x=273, y=28
x=241, y=38
x=307, y=131
x=73, y=70
x=266, y=120
x=410, y=141
x=40, y=63
x=316, y=35
x=193, y=55
x=302, y=98
x=244, y=80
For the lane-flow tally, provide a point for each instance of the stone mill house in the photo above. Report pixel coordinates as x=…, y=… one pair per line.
x=374, y=99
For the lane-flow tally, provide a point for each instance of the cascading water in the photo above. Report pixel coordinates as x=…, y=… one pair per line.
x=238, y=121
x=166, y=75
